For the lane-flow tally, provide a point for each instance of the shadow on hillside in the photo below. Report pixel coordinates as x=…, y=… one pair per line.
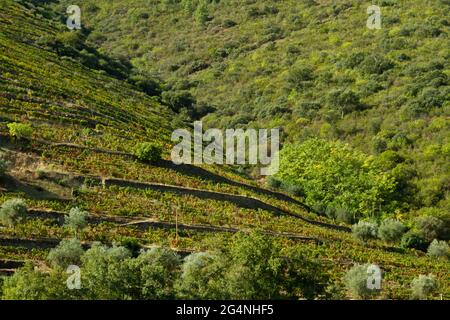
x=11, y=184
x=198, y=172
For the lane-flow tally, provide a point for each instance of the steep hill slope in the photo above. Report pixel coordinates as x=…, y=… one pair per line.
x=312, y=68
x=85, y=125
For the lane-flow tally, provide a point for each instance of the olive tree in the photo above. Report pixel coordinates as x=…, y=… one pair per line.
x=13, y=211
x=391, y=230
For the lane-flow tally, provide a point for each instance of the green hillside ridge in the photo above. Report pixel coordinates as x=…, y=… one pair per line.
x=312, y=68
x=77, y=124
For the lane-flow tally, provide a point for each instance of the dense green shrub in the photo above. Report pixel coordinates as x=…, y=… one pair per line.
x=376, y=64
x=300, y=76
x=413, y=240
x=150, y=86
x=307, y=109
x=356, y=282
x=20, y=130
x=423, y=286
x=391, y=230
x=12, y=212
x=30, y=284
x=365, y=231
x=178, y=100
x=147, y=151
x=438, y=249
x=67, y=253
x=354, y=59
x=76, y=220
x=293, y=189
x=344, y=101
x=272, y=182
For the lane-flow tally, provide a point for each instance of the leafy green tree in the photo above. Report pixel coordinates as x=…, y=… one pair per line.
x=336, y=175
x=150, y=86
x=13, y=211
x=300, y=76
x=259, y=269
x=414, y=240
x=376, y=64
x=255, y=270
x=344, y=101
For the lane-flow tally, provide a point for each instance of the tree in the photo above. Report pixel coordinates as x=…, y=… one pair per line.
x=344, y=101
x=364, y=231
x=178, y=100
x=391, y=230
x=300, y=76
x=255, y=270
x=414, y=240
x=429, y=227
x=67, y=253
x=356, y=282
x=13, y=211
x=158, y=269
x=150, y=86
x=200, y=277
x=76, y=220
x=438, y=249
x=376, y=64
x=258, y=268
x=423, y=286
x=108, y=273
x=30, y=284
x=334, y=174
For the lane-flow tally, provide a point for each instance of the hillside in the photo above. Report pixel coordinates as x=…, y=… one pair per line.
x=80, y=109
x=312, y=68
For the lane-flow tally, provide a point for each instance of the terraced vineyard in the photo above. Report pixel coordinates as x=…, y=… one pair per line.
x=85, y=125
